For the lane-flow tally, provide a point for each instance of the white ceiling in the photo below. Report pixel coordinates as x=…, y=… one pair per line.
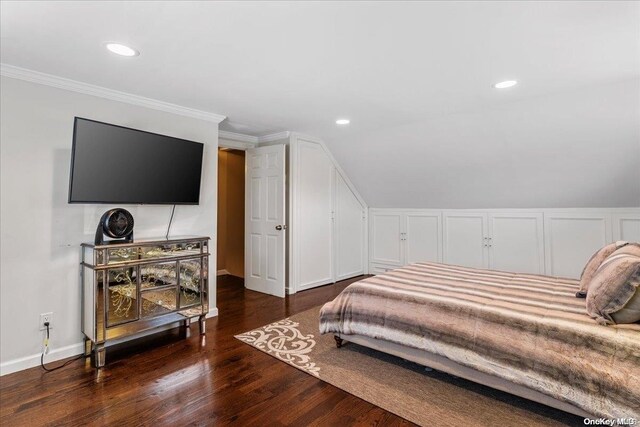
x=427, y=129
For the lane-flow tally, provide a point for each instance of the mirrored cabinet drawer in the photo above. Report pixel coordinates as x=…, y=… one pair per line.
x=172, y=250
x=157, y=302
x=158, y=275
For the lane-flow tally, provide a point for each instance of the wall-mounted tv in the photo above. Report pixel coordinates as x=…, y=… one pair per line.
x=118, y=165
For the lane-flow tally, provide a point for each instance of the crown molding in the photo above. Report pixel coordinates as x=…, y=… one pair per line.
x=103, y=92
x=250, y=139
x=240, y=137
x=274, y=136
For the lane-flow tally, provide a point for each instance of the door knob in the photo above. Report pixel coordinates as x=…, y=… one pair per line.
x=281, y=227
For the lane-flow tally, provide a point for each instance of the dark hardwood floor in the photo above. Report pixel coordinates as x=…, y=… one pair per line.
x=166, y=379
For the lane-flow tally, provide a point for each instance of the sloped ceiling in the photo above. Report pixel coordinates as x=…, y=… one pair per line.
x=427, y=129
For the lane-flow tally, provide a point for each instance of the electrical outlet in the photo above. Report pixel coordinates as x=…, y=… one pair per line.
x=44, y=318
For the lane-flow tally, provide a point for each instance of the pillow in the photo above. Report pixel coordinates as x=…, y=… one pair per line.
x=593, y=264
x=613, y=295
x=628, y=249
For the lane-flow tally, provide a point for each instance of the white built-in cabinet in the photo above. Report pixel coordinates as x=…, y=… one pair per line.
x=571, y=239
x=328, y=221
x=398, y=238
x=545, y=241
x=349, y=231
x=313, y=227
x=626, y=226
x=465, y=239
x=498, y=240
x=516, y=242
x=422, y=235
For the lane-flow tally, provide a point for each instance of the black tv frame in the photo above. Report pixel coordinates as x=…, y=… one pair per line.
x=73, y=149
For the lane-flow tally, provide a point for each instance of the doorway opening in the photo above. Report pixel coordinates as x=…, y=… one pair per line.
x=231, y=200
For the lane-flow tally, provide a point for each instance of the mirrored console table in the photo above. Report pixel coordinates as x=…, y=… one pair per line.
x=133, y=287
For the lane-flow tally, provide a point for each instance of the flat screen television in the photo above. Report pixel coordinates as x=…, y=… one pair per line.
x=118, y=165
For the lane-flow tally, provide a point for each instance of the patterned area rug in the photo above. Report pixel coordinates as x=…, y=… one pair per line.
x=404, y=388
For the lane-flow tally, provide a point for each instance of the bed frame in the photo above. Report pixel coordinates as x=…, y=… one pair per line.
x=443, y=364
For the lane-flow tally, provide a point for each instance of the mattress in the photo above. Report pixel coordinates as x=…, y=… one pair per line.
x=526, y=329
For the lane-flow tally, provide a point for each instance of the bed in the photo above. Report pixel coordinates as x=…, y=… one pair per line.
x=525, y=334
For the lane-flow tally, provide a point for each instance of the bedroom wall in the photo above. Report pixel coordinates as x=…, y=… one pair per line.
x=41, y=233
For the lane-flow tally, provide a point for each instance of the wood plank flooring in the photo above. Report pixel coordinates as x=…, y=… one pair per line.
x=177, y=378
x=166, y=379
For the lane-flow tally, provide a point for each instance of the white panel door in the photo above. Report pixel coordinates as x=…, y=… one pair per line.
x=571, y=239
x=264, y=220
x=423, y=236
x=465, y=239
x=349, y=232
x=626, y=227
x=386, y=244
x=516, y=242
x=314, y=230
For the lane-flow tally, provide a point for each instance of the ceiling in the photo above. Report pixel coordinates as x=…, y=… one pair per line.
x=427, y=128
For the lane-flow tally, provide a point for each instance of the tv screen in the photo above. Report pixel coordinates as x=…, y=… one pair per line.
x=114, y=164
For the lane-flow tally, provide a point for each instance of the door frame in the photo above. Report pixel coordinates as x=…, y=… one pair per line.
x=243, y=142
x=224, y=143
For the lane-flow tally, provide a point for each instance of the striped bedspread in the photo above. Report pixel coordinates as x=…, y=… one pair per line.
x=527, y=329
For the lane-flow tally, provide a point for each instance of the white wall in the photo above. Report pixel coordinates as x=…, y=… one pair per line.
x=41, y=233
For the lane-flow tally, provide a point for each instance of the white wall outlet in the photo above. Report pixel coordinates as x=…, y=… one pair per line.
x=46, y=317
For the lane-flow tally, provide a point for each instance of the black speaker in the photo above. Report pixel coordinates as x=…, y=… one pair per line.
x=115, y=223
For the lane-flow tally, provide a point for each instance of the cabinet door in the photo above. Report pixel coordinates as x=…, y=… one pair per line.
x=385, y=240
x=314, y=230
x=626, y=227
x=423, y=236
x=465, y=239
x=571, y=239
x=516, y=242
x=349, y=232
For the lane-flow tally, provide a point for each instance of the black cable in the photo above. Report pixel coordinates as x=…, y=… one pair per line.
x=170, y=221
x=57, y=367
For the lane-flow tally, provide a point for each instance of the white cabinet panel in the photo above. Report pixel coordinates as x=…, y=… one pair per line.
x=349, y=232
x=423, y=234
x=571, y=239
x=385, y=244
x=465, y=239
x=315, y=225
x=626, y=227
x=516, y=242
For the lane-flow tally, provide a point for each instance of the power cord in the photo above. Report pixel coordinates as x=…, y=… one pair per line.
x=46, y=349
x=170, y=221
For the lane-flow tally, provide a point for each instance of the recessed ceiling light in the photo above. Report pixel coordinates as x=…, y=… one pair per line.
x=343, y=121
x=505, y=84
x=120, y=49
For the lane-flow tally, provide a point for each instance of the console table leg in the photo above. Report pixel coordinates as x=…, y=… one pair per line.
x=100, y=355
x=88, y=347
x=187, y=322
x=202, y=321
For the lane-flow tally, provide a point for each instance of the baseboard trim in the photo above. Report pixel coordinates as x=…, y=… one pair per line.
x=33, y=360
x=222, y=272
